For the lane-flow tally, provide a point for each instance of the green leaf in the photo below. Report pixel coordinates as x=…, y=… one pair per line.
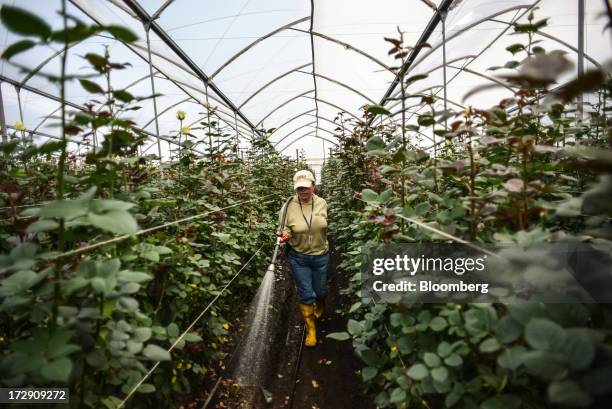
x=453, y=360
x=368, y=373
x=444, y=349
x=173, y=330
x=378, y=110
x=42, y=225
x=415, y=78
x=16, y=48
x=425, y=120
x=192, y=337
x=134, y=347
x=397, y=396
x=438, y=324
x=128, y=303
x=507, y=329
x=511, y=358
x=146, y=388
x=547, y=365
x=439, y=374
x=369, y=195
x=91, y=87
x=339, y=336
x=431, y=360
x=120, y=222
x=121, y=33
x=23, y=22
x=418, y=372
x=354, y=327
x=57, y=370
x=67, y=209
x=134, y=276
x=489, y=345
x=515, y=48
x=156, y=353
x=123, y=95
x=142, y=334
x=375, y=143
x=579, y=350
x=544, y=334
x=568, y=393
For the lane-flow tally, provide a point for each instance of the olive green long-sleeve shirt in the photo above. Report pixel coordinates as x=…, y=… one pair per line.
x=297, y=228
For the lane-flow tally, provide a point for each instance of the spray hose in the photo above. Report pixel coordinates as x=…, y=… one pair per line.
x=280, y=229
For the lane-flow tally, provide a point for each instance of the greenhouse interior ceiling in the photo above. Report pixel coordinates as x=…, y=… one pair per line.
x=306, y=204
x=288, y=68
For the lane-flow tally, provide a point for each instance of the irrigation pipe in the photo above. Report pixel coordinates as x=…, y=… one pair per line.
x=180, y=338
x=150, y=229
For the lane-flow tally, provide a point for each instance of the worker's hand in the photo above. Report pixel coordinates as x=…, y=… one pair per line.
x=283, y=237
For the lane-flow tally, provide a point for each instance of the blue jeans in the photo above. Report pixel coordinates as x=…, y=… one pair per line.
x=309, y=274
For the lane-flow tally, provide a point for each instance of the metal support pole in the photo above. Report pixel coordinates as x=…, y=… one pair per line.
x=18, y=92
x=210, y=143
x=443, y=15
x=146, y=28
x=579, y=100
x=2, y=118
x=237, y=138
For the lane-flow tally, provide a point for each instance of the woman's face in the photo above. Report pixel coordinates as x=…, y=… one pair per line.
x=305, y=193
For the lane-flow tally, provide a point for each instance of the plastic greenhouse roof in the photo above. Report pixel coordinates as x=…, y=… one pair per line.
x=292, y=64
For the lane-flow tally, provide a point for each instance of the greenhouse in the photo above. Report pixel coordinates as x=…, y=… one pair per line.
x=306, y=204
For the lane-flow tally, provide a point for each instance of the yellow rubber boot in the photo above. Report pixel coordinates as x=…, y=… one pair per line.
x=307, y=311
x=319, y=307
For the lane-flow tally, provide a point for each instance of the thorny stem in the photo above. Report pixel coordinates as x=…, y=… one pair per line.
x=61, y=164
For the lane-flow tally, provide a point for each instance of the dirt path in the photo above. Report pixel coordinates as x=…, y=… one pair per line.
x=328, y=375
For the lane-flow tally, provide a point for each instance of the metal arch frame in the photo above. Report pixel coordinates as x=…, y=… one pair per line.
x=224, y=121
x=347, y=45
x=341, y=84
x=295, y=130
x=470, y=26
x=509, y=87
x=324, y=130
x=181, y=84
x=485, y=48
x=283, y=105
x=340, y=109
x=493, y=41
x=328, y=120
x=543, y=34
x=177, y=82
x=558, y=40
x=314, y=75
x=431, y=25
x=290, y=120
x=254, y=43
x=75, y=106
x=46, y=135
x=145, y=18
x=195, y=101
x=266, y=85
x=302, y=137
x=411, y=64
x=311, y=124
x=415, y=93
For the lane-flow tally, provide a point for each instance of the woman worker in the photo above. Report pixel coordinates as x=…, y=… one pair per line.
x=305, y=231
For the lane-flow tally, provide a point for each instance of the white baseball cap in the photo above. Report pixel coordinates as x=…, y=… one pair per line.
x=303, y=178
